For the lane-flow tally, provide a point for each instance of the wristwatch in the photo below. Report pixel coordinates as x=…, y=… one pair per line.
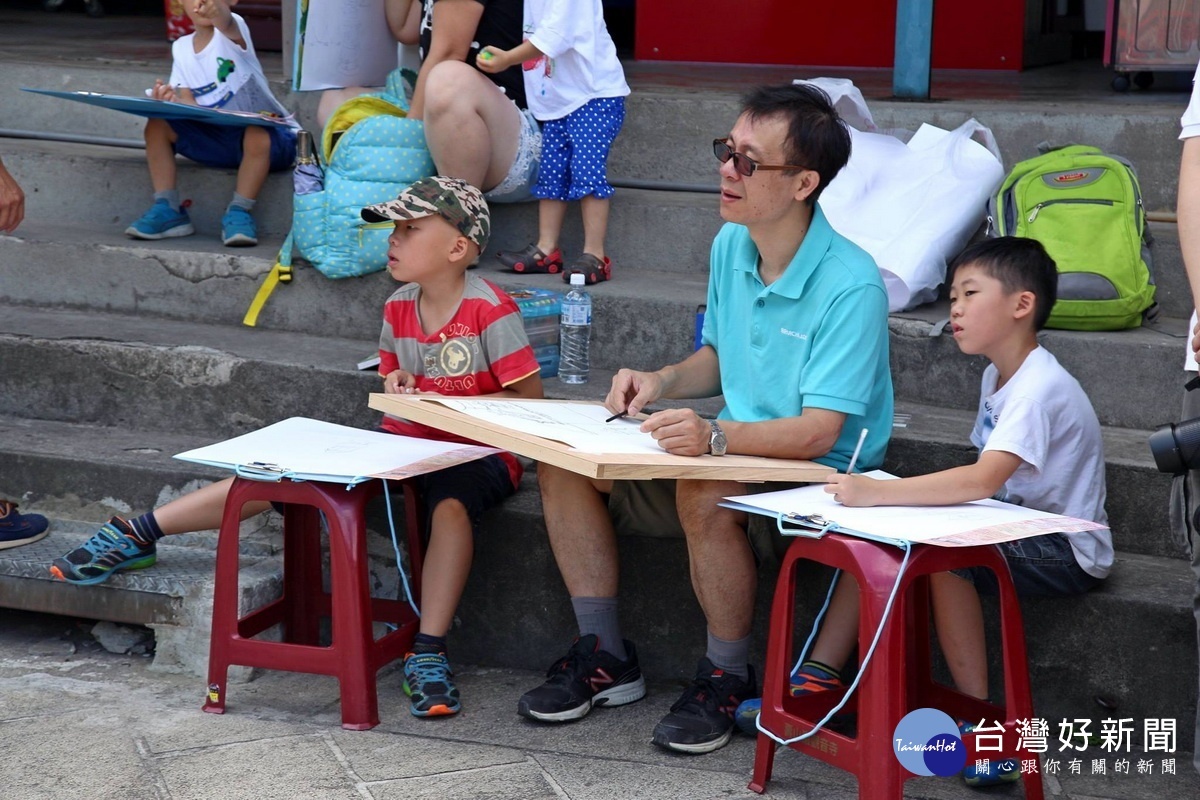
x=716, y=442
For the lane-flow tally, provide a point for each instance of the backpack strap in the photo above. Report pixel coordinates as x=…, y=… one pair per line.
x=280, y=273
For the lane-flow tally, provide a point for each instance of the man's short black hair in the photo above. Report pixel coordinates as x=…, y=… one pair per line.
x=817, y=138
x=1021, y=265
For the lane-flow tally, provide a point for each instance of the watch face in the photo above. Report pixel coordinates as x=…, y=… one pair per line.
x=716, y=443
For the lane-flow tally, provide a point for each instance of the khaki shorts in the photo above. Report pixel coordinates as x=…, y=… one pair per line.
x=647, y=508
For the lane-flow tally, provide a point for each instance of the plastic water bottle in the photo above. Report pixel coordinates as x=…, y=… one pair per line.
x=575, y=333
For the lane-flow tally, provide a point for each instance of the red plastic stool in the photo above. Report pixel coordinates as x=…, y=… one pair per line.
x=354, y=656
x=899, y=676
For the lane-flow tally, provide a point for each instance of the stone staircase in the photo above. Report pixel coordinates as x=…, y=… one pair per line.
x=117, y=354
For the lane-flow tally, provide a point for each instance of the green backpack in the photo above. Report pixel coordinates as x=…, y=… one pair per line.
x=1085, y=207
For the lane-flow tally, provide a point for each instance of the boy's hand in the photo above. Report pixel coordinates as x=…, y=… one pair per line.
x=853, y=490
x=400, y=382
x=492, y=60
x=632, y=391
x=1196, y=339
x=163, y=91
x=679, y=431
x=210, y=9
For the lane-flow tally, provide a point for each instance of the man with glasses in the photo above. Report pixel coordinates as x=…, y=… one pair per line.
x=795, y=337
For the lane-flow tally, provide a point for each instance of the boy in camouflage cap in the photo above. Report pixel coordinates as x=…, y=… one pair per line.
x=453, y=199
x=451, y=332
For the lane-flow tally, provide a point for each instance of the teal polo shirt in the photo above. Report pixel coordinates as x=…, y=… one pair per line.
x=815, y=338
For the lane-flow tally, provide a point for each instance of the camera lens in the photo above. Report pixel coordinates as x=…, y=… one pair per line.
x=1176, y=446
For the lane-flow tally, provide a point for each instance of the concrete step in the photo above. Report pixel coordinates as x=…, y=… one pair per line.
x=1134, y=378
x=515, y=612
x=671, y=231
x=643, y=319
x=669, y=124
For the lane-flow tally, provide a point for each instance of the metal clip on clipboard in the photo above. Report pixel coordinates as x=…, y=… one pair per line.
x=262, y=471
x=814, y=526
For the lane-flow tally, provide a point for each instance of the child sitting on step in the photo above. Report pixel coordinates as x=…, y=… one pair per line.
x=1039, y=446
x=445, y=331
x=215, y=67
x=576, y=88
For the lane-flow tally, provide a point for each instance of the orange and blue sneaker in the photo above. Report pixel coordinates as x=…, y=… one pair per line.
x=990, y=772
x=429, y=684
x=17, y=529
x=115, y=547
x=810, y=677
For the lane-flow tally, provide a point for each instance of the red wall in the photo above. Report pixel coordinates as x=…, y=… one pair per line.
x=967, y=34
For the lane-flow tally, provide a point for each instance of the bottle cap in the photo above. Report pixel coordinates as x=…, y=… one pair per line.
x=577, y=279
x=304, y=146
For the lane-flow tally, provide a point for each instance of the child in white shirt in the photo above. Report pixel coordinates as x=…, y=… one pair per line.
x=575, y=87
x=215, y=67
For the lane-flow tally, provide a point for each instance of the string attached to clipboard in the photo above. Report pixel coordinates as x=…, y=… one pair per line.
x=814, y=526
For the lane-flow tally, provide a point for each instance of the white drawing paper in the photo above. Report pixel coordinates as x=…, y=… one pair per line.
x=342, y=43
x=309, y=449
x=579, y=425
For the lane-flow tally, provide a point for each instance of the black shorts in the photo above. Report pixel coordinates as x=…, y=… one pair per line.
x=479, y=485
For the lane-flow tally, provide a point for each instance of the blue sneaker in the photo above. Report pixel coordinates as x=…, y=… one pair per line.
x=997, y=771
x=809, y=678
x=238, y=228
x=161, y=222
x=18, y=529
x=429, y=684
x=115, y=547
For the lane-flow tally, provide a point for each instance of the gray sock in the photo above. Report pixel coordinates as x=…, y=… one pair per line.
x=242, y=202
x=731, y=656
x=171, y=196
x=598, y=615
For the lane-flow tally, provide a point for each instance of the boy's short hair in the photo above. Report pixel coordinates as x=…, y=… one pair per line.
x=452, y=199
x=817, y=138
x=1021, y=265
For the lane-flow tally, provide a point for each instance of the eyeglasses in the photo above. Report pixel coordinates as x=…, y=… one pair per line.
x=744, y=164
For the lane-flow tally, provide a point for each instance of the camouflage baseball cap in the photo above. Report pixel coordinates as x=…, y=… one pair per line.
x=453, y=199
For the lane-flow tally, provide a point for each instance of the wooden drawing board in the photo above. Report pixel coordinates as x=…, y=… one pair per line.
x=427, y=410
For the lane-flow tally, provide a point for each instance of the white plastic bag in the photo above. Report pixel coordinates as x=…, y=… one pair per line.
x=912, y=206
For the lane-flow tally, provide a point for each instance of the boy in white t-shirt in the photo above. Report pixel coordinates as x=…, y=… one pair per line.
x=1039, y=446
x=575, y=87
x=215, y=67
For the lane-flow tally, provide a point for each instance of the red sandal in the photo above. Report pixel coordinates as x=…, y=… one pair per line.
x=593, y=269
x=531, y=259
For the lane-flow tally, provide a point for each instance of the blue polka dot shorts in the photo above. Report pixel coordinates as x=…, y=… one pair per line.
x=575, y=151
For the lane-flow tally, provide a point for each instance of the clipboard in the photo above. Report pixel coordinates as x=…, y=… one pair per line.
x=810, y=511
x=302, y=449
x=430, y=410
x=161, y=109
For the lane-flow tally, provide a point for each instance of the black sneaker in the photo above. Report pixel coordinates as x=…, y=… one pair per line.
x=587, y=676
x=702, y=718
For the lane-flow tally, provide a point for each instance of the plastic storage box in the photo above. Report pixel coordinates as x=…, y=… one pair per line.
x=540, y=311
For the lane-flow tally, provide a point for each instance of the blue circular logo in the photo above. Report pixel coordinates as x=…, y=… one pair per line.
x=927, y=742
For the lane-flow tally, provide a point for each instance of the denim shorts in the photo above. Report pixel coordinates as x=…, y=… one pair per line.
x=221, y=145
x=1041, y=566
x=517, y=186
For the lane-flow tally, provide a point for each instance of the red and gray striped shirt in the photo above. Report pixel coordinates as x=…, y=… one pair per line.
x=481, y=350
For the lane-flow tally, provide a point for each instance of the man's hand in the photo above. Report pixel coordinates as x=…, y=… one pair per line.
x=679, y=431
x=400, y=381
x=492, y=60
x=12, y=202
x=853, y=490
x=631, y=391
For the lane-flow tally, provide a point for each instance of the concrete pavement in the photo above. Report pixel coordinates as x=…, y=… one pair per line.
x=79, y=722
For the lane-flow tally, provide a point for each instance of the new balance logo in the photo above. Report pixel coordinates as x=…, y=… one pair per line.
x=600, y=680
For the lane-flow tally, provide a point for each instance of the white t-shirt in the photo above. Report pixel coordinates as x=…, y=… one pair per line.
x=580, y=61
x=1043, y=416
x=224, y=74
